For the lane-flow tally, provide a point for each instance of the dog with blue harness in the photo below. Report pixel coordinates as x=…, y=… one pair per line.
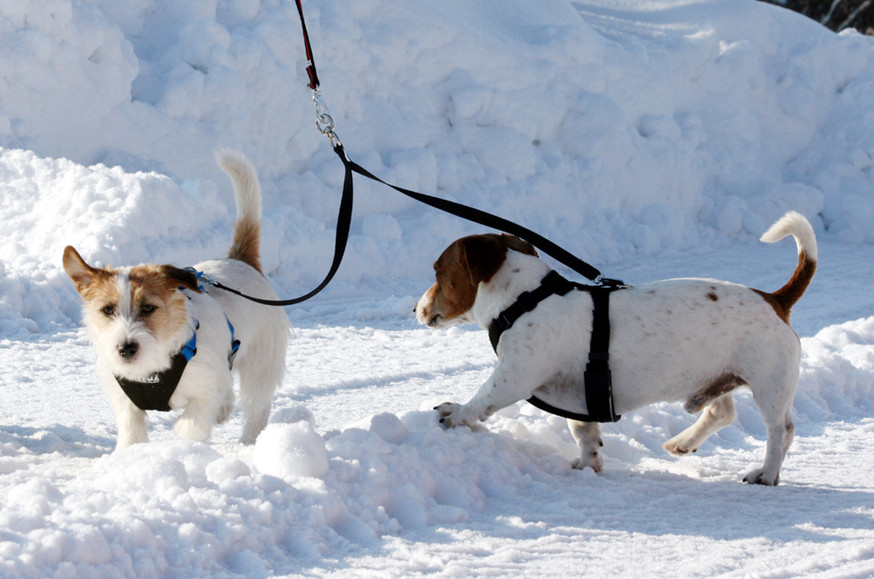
x=169, y=338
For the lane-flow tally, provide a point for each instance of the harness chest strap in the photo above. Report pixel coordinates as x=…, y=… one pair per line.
x=598, y=382
x=154, y=391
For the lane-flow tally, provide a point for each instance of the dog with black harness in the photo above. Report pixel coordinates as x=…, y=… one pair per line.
x=691, y=340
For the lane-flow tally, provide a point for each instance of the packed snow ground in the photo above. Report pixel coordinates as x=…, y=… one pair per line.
x=656, y=139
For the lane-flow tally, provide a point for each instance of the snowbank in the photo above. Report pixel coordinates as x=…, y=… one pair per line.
x=616, y=130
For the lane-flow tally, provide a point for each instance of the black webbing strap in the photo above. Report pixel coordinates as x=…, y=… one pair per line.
x=344, y=220
x=551, y=284
x=487, y=219
x=597, y=378
x=155, y=393
x=344, y=216
x=599, y=384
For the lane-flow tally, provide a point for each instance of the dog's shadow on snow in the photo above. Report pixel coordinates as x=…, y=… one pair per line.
x=626, y=504
x=658, y=502
x=57, y=438
x=640, y=499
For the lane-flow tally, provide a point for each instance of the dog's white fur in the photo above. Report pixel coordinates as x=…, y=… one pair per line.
x=691, y=340
x=143, y=308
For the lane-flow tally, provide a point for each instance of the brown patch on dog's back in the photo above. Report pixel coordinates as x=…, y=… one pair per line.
x=781, y=312
x=721, y=385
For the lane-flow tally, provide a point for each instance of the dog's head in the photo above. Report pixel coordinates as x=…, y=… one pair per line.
x=459, y=270
x=137, y=317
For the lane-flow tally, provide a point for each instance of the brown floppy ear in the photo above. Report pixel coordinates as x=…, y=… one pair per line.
x=483, y=255
x=82, y=274
x=184, y=277
x=518, y=244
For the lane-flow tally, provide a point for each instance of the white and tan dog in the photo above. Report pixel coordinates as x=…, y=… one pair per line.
x=141, y=318
x=692, y=340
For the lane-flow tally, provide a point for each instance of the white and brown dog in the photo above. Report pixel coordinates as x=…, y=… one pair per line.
x=692, y=340
x=151, y=322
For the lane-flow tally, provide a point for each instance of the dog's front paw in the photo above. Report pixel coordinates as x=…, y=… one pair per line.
x=679, y=447
x=450, y=414
x=758, y=477
x=593, y=461
x=191, y=429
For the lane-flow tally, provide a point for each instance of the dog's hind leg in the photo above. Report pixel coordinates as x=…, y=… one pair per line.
x=774, y=394
x=716, y=415
x=780, y=435
x=588, y=437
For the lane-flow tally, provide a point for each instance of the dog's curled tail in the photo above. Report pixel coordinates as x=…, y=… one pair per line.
x=247, y=192
x=797, y=226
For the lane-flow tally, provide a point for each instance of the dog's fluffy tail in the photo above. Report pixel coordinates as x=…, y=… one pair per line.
x=247, y=192
x=797, y=226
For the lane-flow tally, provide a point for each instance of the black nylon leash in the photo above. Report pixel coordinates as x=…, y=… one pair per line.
x=598, y=385
x=490, y=220
x=325, y=124
x=344, y=220
x=484, y=218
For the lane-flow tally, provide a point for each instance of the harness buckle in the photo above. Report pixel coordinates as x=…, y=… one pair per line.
x=202, y=278
x=610, y=282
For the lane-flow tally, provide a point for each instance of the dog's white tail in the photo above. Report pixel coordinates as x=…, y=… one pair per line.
x=247, y=192
x=797, y=226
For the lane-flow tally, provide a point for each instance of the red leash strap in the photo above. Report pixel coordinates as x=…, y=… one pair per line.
x=311, y=64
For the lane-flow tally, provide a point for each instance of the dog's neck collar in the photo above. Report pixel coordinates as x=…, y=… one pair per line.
x=154, y=391
x=597, y=380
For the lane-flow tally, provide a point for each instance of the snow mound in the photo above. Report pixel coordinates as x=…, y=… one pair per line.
x=615, y=130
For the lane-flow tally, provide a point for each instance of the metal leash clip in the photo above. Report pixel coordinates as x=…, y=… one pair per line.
x=324, y=121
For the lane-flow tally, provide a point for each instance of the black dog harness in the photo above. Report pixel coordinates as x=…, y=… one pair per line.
x=154, y=391
x=598, y=383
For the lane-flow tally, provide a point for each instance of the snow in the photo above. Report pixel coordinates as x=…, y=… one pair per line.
x=654, y=139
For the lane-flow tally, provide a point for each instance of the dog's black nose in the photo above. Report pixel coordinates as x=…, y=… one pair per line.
x=128, y=350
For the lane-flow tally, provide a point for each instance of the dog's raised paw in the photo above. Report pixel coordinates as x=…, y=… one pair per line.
x=678, y=447
x=448, y=412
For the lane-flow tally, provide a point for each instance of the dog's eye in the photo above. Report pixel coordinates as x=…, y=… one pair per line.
x=108, y=310
x=148, y=309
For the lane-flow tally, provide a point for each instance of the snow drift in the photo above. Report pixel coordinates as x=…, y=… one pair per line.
x=654, y=139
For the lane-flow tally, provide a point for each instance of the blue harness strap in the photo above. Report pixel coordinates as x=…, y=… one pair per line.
x=235, y=345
